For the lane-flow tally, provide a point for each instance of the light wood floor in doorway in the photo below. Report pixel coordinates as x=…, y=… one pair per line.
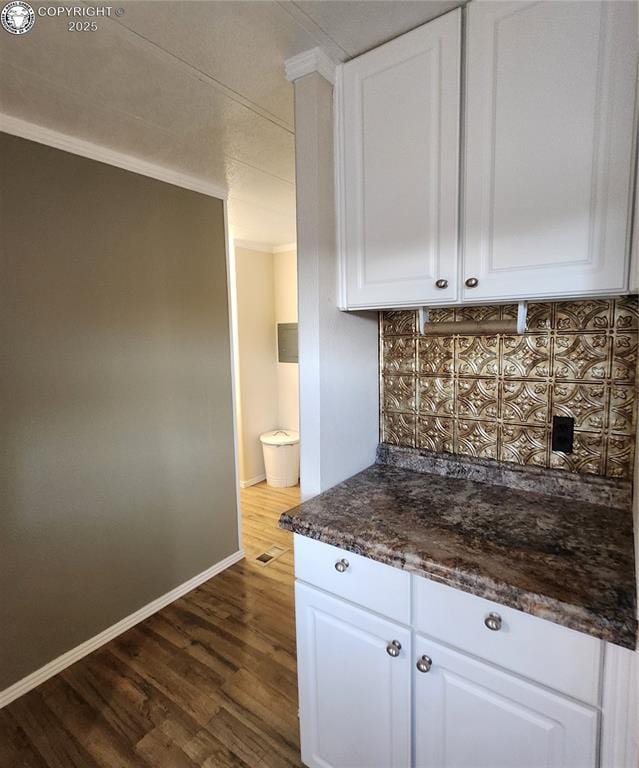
x=208, y=681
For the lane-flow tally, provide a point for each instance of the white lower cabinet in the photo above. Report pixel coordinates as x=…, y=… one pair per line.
x=354, y=672
x=469, y=714
x=451, y=680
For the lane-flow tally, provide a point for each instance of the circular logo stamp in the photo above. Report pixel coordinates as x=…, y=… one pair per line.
x=17, y=17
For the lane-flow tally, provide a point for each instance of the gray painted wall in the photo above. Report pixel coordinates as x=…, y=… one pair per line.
x=117, y=477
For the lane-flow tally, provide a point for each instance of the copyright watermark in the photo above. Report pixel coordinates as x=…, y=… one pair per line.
x=82, y=11
x=18, y=17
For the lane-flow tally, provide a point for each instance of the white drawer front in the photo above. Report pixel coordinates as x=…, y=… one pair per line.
x=366, y=582
x=553, y=655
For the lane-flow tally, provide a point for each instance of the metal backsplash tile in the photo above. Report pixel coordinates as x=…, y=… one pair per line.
x=495, y=396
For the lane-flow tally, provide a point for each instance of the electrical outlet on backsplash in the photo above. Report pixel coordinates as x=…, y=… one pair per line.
x=495, y=396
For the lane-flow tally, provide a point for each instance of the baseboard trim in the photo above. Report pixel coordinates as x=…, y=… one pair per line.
x=75, y=654
x=252, y=481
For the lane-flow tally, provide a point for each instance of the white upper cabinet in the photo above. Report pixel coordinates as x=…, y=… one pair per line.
x=398, y=170
x=549, y=106
x=550, y=96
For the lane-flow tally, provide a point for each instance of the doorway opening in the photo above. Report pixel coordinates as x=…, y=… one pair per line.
x=263, y=282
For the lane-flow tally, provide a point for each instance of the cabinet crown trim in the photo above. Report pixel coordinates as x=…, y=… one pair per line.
x=313, y=60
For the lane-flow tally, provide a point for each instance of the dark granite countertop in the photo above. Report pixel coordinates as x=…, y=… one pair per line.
x=567, y=560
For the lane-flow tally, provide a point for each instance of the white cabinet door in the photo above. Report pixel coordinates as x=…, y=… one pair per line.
x=550, y=95
x=398, y=165
x=355, y=704
x=471, y=715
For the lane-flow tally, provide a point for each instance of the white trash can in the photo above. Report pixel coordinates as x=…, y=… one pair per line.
x=281, y=449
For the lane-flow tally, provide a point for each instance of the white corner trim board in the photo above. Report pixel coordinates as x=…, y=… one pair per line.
x=84, y=649
x=313, y=60
x=25, y=130
x=620, y=734
x=231, y=292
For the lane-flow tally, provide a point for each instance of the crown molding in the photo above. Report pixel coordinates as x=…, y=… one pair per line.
x=313, y=60
x=287, y=248
x=251, y=245
x=312, y=28
x=25, y=130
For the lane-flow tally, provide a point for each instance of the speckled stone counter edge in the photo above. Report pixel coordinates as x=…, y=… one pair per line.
x=610, y=492
x=622, y=632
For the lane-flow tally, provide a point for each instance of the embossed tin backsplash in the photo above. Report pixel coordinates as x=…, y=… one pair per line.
x=495, y=396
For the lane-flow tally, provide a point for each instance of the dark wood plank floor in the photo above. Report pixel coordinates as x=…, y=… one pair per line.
x=208, y=681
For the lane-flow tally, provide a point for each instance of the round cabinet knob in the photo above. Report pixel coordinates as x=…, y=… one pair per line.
x=393, y=648
x=424, y=663
x=341, y=565
x=441, y=284
x=493, y=622
x=472, y=282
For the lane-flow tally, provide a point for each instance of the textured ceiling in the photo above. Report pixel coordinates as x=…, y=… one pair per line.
x=197, y=87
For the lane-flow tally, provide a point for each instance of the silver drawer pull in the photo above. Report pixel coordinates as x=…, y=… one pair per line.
x=472, y=282
x=493, y=622
x=341, y=565
x=393, y=648
x=424, y=663
x=441, y=283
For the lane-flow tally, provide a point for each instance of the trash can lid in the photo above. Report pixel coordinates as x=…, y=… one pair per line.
x=280, y=437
